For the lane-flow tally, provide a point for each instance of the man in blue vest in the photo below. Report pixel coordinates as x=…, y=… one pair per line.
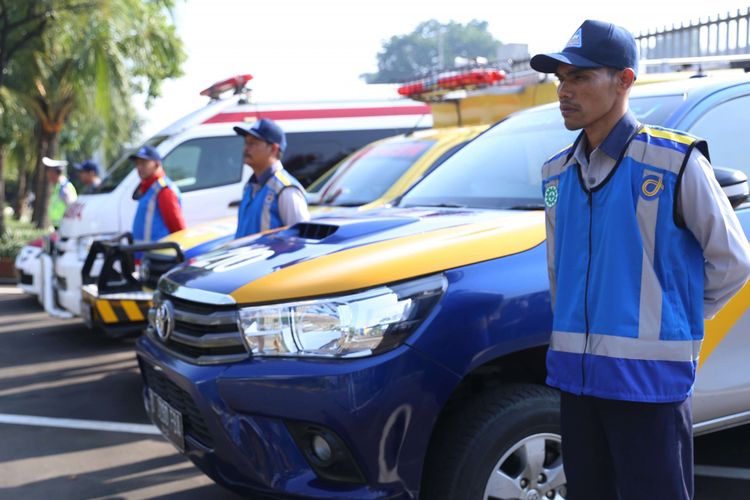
x=159, y=211
x=272, y=197
x=642, y=245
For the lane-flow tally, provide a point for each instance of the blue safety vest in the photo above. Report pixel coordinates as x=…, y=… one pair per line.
x=148, y=224
x=628, y=314
x=259, y=211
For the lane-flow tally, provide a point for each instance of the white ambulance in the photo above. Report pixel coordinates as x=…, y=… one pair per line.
x=203, y=156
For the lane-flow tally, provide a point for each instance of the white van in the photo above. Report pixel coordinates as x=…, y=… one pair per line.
x=203, y=156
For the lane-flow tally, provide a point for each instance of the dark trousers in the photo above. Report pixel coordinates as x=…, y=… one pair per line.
x=626, y=450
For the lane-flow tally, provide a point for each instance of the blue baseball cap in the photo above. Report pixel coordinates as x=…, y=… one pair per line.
x=267, y=130
x=146, y=153
x=595, y=44
x=88, y=166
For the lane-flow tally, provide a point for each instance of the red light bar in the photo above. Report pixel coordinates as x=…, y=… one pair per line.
x=235, y=83
x=453, y=80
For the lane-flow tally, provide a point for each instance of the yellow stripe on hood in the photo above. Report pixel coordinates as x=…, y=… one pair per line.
x=398, y=259
x=717, y=328
x=201, y=233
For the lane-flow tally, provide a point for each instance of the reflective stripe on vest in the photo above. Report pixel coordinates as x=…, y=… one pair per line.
x=629, y=303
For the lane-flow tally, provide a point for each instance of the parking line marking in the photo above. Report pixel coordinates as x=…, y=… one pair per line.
x=723, y=472
x=73, y=423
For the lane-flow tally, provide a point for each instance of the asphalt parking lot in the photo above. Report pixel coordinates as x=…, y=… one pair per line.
x=72, y=423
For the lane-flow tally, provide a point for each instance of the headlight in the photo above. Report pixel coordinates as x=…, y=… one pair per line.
x=353, y=325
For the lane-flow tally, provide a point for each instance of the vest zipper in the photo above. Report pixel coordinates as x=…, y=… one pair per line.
x=586, y=292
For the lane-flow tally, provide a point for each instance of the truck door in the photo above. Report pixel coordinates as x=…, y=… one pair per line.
x=723, y=382
x=209, y=173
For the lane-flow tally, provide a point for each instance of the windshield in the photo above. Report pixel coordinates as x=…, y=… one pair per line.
x=502, y=168
x=366, y=175
x=122, y=167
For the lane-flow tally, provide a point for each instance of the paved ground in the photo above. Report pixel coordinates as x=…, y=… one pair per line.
x=58, y=369
x=54, y=368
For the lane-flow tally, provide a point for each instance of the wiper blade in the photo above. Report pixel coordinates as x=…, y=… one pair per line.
x=445, y=205
x=530, y=206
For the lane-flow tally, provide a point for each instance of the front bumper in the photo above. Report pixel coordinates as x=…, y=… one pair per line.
x=239, y=418
x=67, y=276
x=29, y=269
x=116, y=314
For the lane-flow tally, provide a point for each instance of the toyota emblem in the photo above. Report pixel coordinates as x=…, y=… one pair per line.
x=164, y=320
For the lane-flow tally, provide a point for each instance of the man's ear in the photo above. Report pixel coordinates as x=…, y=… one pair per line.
x=626, y=78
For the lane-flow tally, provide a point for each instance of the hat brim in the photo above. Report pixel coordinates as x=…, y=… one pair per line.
x=140, y=157
x=548, y=63
x=242, y=131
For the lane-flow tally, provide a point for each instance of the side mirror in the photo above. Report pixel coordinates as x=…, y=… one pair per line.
x=734, y=183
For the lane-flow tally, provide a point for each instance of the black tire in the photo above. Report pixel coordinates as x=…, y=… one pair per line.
x=472, y=438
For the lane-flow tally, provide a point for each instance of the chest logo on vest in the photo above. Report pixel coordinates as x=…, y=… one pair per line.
x=550, y=196
x=651, y=187
x=269, y=198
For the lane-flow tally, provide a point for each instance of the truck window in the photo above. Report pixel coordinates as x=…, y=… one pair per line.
x=205, y=163
x=310, y=154
x=719, y=127
x=367, y=175
x=122, y=167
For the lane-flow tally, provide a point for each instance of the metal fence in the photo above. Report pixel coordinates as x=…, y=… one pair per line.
x=719, y=38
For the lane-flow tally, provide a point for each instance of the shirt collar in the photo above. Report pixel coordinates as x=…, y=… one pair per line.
x=146, y=183
x=617, y=138
x=267, y=173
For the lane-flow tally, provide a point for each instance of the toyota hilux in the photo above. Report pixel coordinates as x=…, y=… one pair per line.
x=400, y=352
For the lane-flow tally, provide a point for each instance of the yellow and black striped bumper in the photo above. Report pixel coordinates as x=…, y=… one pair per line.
x=118, y=308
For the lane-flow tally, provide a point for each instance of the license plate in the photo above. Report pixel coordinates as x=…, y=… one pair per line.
x=167, y=419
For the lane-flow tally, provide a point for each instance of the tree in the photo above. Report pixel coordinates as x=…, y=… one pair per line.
x=431, y=46
x=94, y=62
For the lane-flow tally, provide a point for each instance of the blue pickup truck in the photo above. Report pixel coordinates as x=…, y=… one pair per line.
x=400, y=352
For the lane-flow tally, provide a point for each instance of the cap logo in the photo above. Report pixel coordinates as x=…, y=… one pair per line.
x=576, y=41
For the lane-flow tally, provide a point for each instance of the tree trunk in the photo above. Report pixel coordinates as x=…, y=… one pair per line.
x=3, y=148
x=23, y=192
x=47, y=146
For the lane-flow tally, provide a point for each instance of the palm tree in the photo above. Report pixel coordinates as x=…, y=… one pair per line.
x=93, y=63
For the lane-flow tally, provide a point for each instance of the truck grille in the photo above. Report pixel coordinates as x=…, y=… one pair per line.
x=180, y=400
x=202, y=333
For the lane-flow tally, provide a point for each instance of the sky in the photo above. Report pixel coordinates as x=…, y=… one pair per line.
x=308, y=49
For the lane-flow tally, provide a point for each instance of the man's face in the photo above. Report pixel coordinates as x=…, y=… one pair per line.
x=258, y=153
x=86, y=177
x=146, y=168
x=53, y=175
x=586, y=95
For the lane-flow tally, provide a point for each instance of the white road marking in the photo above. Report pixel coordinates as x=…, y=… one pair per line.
x=72, y=423
x=723, y=472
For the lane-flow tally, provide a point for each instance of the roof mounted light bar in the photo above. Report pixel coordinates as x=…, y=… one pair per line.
x=435, y=87
x=235, y=83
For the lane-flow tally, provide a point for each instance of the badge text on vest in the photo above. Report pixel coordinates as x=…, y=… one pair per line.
x=651, y=187
x=550, y=196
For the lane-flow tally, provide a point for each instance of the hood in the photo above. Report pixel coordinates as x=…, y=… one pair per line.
x=202, y=238
x=331, y=255
x=84, y=217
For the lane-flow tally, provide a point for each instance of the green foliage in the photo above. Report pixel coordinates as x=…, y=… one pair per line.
x=17, y=234
x=432, y=45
